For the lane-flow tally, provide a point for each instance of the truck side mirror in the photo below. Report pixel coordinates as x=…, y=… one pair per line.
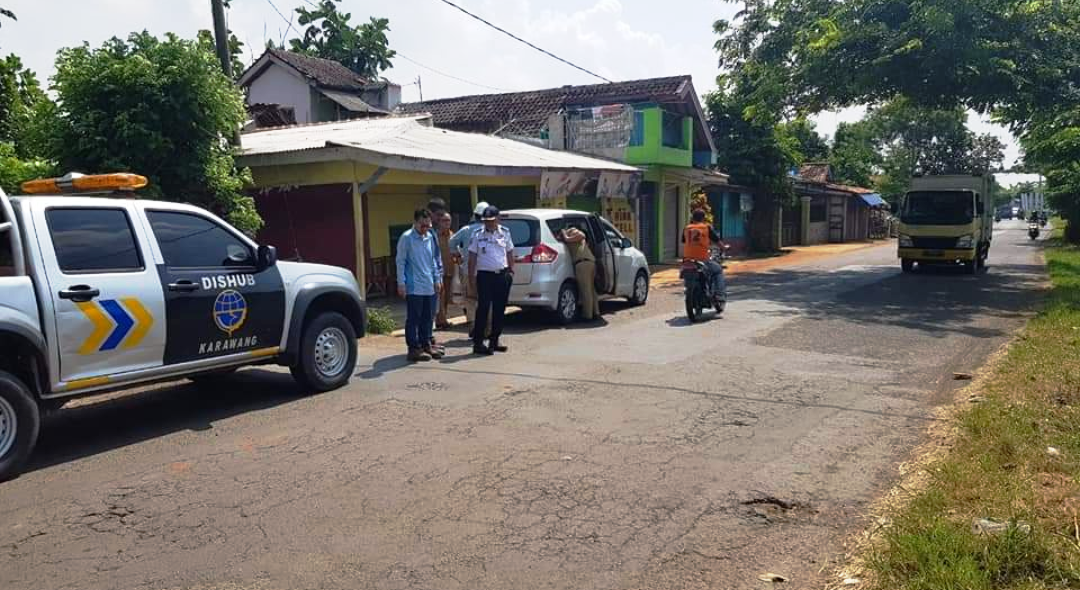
x=267, y=257
x=979, y=209
x=894, y=208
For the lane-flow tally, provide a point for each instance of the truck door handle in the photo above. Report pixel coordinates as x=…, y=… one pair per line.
x=79, y=293
x=184, y=286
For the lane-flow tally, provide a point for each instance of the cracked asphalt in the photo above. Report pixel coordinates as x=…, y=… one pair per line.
x=642, y=453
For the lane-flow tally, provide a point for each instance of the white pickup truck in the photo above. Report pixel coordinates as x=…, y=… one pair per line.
x=101, y=293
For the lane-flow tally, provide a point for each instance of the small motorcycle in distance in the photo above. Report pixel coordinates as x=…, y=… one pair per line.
x=1033, y=230
x=699, y=286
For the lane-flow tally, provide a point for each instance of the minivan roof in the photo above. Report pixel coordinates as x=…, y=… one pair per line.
x=544, y=213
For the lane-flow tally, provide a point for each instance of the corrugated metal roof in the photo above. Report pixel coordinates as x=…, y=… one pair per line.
x=351, y=102
x=408, y=143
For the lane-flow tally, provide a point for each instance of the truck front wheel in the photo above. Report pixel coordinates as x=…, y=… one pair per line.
x=907, y=264
x=327, y=353
x=20, y=421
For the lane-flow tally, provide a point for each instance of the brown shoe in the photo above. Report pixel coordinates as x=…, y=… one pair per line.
x=417, y=355
x=435, y=352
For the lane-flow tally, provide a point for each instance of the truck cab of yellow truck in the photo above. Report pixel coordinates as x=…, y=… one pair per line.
x=947, y=219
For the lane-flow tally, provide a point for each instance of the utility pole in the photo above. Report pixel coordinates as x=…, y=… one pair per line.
x=221, y=37
x=420, y=88
x=221, y=40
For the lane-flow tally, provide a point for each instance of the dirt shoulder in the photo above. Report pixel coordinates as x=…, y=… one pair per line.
x=663, y=276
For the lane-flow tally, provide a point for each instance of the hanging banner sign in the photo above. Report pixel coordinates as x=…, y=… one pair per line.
x=554, y=185
x=621, y=214
x=618, y=185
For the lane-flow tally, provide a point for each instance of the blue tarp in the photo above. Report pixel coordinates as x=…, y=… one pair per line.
x=873, y=199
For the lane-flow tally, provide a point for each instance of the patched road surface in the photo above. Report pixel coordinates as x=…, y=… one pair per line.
x=642, y=453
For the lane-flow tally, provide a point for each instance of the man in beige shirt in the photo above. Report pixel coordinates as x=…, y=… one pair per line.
x=444, y=222
x=584, y=271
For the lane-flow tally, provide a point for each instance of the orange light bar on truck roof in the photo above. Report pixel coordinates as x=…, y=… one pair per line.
x=85, y=183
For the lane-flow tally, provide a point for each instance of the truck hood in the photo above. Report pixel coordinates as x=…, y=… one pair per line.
x=305, y=272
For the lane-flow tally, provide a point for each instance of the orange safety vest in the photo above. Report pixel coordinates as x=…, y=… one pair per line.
x=696, y=241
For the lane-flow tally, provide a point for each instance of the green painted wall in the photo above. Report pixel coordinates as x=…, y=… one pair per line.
x=652, y=149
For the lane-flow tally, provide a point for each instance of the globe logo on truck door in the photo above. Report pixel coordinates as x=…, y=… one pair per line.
x=230, y=311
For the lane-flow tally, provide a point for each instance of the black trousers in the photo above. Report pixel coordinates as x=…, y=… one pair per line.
x=492, y=291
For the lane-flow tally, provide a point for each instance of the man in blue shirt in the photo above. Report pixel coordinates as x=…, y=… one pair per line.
x=419, y=278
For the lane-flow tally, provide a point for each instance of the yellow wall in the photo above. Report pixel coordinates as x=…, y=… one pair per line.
x=390, y=202
x=391, y=205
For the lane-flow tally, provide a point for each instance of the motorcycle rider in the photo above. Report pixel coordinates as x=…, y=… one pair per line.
x=697, y=238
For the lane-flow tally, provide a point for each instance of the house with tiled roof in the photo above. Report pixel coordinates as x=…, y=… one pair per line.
x=827, y=211
x=655, y=124
x=284, y=87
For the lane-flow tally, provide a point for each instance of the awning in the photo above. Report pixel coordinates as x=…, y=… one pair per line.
x=351, y=102
x=410, y=143
x=873, y=199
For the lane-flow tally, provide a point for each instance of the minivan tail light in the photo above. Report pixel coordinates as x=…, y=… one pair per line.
x=541, y=254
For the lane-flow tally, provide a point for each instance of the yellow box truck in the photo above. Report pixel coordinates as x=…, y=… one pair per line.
x=947, y=219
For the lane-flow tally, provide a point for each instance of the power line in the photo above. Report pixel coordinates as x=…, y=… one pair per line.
x=516, y=38
x=451, y=76
x=287, y=20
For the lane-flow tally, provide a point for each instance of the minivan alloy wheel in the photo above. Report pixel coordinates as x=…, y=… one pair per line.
x=641, y=288
x=568, y=304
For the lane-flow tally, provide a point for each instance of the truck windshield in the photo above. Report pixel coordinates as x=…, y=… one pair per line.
x=938, y=208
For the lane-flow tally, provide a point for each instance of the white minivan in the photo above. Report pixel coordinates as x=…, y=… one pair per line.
x=544, y=273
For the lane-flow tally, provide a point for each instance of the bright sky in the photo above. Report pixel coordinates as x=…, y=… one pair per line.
x=451, y=53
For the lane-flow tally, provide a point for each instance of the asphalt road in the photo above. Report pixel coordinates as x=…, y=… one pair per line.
x=643, y=452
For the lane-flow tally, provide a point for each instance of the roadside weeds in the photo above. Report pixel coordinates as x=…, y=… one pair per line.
x=992, y=499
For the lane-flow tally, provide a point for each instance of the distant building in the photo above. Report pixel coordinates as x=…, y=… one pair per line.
x=827, y=211
x=285, y=88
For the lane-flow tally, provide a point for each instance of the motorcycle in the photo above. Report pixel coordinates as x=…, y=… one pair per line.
x=1033, y=230
x=699, y=286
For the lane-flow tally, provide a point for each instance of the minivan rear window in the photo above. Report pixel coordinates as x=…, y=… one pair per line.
x=524, y=232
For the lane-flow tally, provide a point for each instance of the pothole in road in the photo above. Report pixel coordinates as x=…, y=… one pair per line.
x=771, y=508
x=427, y=386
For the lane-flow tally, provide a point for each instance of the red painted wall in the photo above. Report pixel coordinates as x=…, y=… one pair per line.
x=321, y=228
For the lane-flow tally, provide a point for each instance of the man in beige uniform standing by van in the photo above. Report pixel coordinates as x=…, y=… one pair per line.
x=584, y=271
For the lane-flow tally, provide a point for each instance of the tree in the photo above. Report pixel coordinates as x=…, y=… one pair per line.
x=20, y=93
x=855, y=154
x=1016, y=56
x=899, y=139
x=1016, y=59
x=364, y=49
x=802, y=136
x=15, y=170
x=158, y=107
x=754, y=153
x=236, y=50
x=1053, y=146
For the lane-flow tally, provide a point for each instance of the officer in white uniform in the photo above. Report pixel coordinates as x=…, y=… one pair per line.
x=491, y=268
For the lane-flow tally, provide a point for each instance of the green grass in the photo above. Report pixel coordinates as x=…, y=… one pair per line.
x=1000, y=469
x=380, y=320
